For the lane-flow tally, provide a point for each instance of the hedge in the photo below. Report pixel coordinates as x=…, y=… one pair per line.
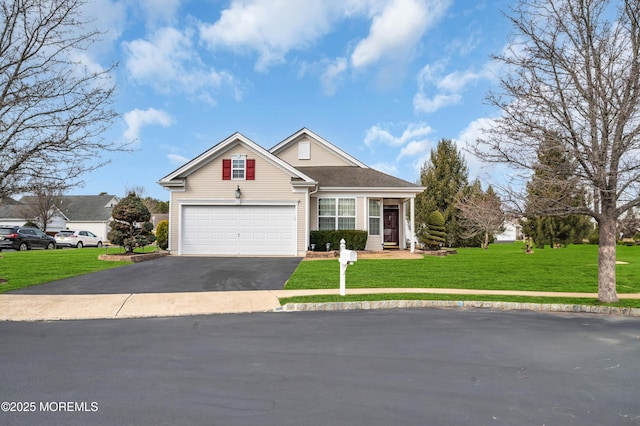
x=355, y=240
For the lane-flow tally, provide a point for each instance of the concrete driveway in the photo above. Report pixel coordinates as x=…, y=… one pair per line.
x=176, y=274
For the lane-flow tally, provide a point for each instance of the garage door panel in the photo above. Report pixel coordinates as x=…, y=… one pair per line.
x=243, y=230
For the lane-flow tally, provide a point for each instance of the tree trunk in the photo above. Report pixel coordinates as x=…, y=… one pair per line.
x=607, y=260
x=486, y=241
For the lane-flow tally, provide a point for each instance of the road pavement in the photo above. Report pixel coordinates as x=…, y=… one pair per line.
x=408, y=367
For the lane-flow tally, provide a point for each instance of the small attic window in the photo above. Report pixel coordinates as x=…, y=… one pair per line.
x=304, y=151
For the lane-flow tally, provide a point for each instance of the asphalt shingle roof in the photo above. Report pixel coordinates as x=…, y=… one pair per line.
x=83, y=207
x=353, y=177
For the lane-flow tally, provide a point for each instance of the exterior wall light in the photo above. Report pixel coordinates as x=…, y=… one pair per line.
x=238, y=192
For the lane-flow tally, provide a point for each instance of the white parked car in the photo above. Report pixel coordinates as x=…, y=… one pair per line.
x=78, y=239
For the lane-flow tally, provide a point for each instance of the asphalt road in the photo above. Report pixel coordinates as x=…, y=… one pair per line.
x=172, y=274
x=397, y=367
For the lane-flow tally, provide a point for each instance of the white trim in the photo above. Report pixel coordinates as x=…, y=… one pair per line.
x=412, y=230
x=177, y=177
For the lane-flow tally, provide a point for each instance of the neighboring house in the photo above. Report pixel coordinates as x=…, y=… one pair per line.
x=238, y=198
x=512, y=232
x=156, y=218
x=76, y=212
x=11, y=213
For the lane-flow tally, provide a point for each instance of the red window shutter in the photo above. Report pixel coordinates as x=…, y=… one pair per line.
x=251, y=169
x=226, y=169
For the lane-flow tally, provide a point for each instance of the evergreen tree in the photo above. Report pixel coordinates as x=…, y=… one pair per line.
x=551, y=196
x=443, y=176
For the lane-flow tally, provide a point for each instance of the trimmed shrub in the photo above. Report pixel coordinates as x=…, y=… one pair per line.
x=162, y=234
x=355, y=240
x=130, y=227
x=436, y=235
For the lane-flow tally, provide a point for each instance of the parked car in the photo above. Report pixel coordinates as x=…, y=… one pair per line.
x=78, y=239
x=24, y=238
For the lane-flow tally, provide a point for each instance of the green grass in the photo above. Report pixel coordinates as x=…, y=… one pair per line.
x=502, y=267
x=24, y=269
x=625, y=303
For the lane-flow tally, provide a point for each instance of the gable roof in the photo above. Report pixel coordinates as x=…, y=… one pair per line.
x=90, y=208
x=11, y=209
x=176, y=178
x=328, y=145
x=74, y=208
x=356, y=177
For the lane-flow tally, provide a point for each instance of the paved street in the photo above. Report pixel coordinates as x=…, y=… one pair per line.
x=405, y=367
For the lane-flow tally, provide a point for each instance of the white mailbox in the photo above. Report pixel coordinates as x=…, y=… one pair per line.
x=347, y=257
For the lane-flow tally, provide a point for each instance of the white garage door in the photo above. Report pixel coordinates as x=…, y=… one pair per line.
x=243, y=230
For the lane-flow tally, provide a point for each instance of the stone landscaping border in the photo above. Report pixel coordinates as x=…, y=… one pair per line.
x=135, y=258
x=451, y=304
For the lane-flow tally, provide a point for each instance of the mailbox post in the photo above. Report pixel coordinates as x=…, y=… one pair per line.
x=347, y=257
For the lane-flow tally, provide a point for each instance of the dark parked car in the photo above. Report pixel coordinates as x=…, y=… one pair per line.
x=24, y=238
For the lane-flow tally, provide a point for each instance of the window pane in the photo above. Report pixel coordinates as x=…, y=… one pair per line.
x=346, y=207
x=374, y=226
x=374, y=208
x=237, y=169
x=327, y=207
x=346, y=223
x=326, y=223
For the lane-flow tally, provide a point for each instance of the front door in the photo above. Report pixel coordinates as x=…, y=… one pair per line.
x=391, y=227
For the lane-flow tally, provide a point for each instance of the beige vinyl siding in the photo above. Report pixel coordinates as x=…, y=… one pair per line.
x=320, y=155
x=206, y=185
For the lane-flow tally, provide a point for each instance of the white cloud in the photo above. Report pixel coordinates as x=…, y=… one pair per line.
x=397, y=29
x=159, y=11
x=415, y=148
x=467, y=139
x=270, y=27
x=332, y=75
x=273, y=28
x=377, y=134
x=446, y=89
x=421, y=103
x=169, y=63
x=177, y=159
x=107, y=16
x=137, y=119
x=387, y=168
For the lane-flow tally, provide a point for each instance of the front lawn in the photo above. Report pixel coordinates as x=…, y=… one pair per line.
x=502, y=267
x=27, y=268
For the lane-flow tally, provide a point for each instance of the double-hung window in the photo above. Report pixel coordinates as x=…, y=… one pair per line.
x=336, y=213
x=238, y=167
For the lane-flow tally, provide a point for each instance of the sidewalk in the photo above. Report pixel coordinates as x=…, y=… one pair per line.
x=22, y=307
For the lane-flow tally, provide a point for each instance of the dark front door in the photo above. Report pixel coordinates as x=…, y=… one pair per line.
x=391, y=227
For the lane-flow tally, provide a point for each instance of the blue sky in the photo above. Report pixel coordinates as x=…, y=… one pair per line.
x=384, y=80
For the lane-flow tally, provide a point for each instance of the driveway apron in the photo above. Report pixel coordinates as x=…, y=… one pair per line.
x=175, y=274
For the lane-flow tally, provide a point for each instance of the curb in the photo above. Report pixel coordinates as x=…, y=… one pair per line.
x=451, y=304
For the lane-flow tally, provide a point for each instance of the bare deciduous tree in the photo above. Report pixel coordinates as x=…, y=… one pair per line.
x=53, y=108
x=40, y=207
x=574, y=75
x=481, y=213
